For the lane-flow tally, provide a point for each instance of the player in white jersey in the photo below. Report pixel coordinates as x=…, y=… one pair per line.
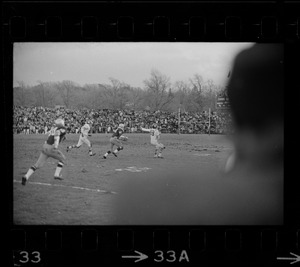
x=154, y=140
x=50, y=149
x=83, y=138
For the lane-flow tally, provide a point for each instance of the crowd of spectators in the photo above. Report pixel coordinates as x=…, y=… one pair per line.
x=38, y=120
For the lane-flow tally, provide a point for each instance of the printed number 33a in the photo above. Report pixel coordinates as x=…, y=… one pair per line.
x=171, y=256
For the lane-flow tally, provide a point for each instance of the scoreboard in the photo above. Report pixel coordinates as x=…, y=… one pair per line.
x=223, y=99
x=223, y=102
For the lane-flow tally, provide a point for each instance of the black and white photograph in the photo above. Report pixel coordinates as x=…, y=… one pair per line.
x=148, y=133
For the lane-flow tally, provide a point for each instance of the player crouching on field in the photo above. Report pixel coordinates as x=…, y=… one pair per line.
x=83, y=138
x=154, y=137
x=115, y=140
x=50, y=149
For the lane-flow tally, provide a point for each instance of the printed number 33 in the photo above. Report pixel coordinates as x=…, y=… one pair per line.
x=34, y=257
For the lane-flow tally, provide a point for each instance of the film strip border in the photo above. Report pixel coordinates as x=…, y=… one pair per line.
x=88, y=246
x=264, y=21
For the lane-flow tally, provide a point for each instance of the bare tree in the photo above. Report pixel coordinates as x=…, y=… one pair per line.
x=121, y=90
x=50, y=95
x=197, y=97
x=108, y=97
x=136, y=96
x=114, y=89
x=116, y=94
x=90, y=96
x=197, y=83
x=210, y=84
x=20, y=94
x=41, y=93
x=65, y=89
x=182, y=91
x=159, y=89
x=210, y=95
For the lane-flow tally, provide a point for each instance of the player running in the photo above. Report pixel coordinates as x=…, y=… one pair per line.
x=154, y=137
x=83, y=138
x=50, y=149
x=115, y=141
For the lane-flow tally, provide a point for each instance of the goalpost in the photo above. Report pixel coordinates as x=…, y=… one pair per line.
x=179, y=119
x=209, y=121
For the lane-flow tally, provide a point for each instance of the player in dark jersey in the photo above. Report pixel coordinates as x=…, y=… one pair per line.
x=115, y=141
x=50, y=149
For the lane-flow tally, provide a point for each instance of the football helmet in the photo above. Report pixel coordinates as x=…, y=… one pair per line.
x=59, y=122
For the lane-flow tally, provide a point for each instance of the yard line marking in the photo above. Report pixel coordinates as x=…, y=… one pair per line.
x=74, y=187
x=133, y=169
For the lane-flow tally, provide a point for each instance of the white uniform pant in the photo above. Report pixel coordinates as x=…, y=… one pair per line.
x=158, y=146
x=83, y=139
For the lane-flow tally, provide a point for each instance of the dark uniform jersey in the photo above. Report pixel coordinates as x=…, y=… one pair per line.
x=56, y=131
x=117, y=133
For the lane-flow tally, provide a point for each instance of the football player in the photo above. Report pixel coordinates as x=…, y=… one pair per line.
x=115, y=141
x=154, y=137
x=50, y=149
x=83, y=138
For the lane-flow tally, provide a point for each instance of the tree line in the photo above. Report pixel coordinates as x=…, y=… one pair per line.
x=158, y=93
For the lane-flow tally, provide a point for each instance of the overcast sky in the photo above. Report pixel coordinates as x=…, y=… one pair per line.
x=89, y=63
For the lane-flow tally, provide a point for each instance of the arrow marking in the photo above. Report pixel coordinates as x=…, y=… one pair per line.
x=297, y=259
x=139, y=257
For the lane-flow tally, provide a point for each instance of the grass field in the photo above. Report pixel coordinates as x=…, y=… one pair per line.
x=86, y=194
